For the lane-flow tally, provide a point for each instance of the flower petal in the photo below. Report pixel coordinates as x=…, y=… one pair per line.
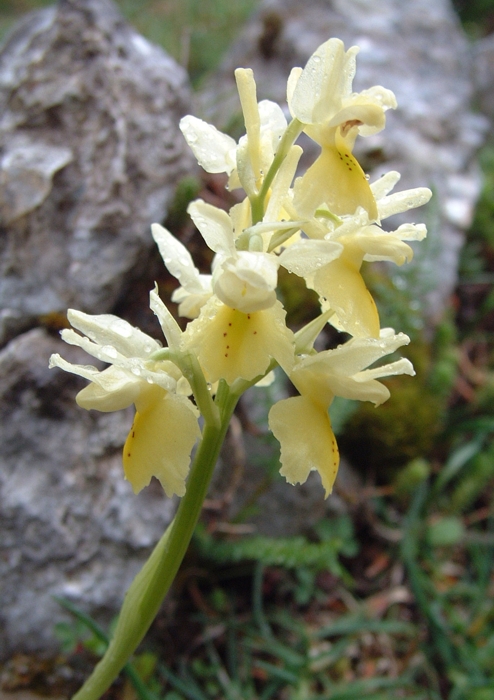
x=177, y=259
x=385, y=184
x=247, y=92
x=377, y=244
x=110, y=331
x=169, y=326
x=273, y=121
x=232, y=345
x=326, y=78
x=248, y=281
x=307, y=256
x=214, y=225
x=281, y=184
x=160, y=442
x=337, y=180
x=110, y=390
x=343, y=287
x=403, y=201
x=214, y=151
x=303, y=429
x=357, y=353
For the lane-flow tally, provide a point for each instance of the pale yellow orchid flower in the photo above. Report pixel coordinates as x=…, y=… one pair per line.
x=336, y=276
x=302, y=425
x=320, y=96
x=165, y=426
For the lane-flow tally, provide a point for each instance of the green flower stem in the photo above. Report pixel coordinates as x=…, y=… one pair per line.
x=291, y=134
x=189, y=364
x=147, y=591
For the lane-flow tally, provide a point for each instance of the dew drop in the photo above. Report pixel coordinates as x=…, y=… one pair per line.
x=121, y=328
x=110, y=351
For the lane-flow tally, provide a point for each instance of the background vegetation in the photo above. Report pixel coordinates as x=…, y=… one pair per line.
x=393, y=595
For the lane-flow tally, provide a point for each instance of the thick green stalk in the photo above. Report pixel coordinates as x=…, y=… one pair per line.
x=147, y=591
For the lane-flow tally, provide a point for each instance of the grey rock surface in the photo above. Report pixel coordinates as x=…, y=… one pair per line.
x=90, y=157
x=71, y=526
x=483, y=74
x=417, y=49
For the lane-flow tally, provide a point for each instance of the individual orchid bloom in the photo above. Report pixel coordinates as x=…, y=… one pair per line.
x=320, y=96
x=165, y=426
x=195, y=288
x=302, y=424
x=338, y=279
x=232, y=345
x=246, y=162
x=244, y=280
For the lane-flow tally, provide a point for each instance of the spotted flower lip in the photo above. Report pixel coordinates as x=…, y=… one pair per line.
x=233, y=345
x=156, y=388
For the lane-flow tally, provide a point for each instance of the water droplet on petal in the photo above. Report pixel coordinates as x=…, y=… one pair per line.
x=121, y=327
x=110, y=351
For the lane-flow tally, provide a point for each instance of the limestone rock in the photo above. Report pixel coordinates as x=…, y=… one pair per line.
x=483, y=74
x=90, y=157
x=71, y=526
